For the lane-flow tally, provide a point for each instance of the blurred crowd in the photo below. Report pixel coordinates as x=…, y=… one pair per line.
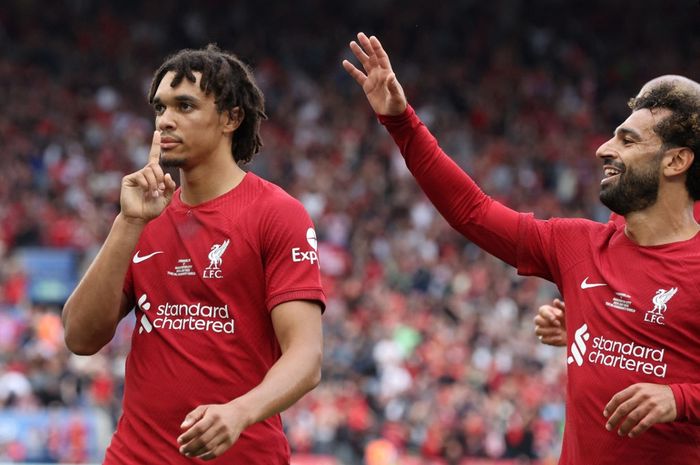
x=428, y=341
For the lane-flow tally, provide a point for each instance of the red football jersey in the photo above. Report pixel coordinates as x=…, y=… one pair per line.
x=203, y=281
x=631, y=312
x=631, y=317
x=614, y=217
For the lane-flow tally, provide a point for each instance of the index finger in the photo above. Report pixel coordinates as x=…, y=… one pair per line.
x=154, y=154
x=200, y=426
x=612, y=410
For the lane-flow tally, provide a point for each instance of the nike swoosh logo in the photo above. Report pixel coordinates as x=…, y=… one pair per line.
x=586, y=285
x=138, y=259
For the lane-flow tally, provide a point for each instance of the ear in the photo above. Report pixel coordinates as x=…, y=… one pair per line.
x=233, y=119
x=677, y=161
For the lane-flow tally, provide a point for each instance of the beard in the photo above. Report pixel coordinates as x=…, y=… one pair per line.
x=635, y=188
x=172, y=162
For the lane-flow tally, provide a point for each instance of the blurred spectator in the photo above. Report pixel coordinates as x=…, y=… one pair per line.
x=429, y=349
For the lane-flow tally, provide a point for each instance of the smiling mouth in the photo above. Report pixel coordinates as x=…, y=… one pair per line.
x=609, y=173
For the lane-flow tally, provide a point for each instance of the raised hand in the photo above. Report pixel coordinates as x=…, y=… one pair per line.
x=147, y=192
x=378, y=80
x=635, y=409
x=550, y=325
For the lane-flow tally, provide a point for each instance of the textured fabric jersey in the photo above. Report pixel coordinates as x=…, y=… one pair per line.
x=632, y=312
x=203, y=281
x=621, y=219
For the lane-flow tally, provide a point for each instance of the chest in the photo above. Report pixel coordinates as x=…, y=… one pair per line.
x=641, y=296
x=638, y=316
x=196, y=253
x=197, y=277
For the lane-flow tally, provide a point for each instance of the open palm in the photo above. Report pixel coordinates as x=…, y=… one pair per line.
x=378, y=80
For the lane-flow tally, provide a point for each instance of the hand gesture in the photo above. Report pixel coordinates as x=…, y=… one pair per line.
x=379, y=82
x=147, y=192
x=550, y=325
x=210, y=430
x=635, y=409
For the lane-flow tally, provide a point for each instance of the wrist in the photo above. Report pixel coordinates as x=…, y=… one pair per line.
x=397, y=119
x=129, y=222
x=243, y=411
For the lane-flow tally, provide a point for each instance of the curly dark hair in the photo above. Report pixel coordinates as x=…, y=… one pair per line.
x=682, y=128
x=232, y=83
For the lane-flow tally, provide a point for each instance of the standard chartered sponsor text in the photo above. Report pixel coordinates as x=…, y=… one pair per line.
x=194, y=317
x=628, y=356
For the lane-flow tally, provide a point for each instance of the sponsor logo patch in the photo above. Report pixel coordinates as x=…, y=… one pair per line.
x=623, y=355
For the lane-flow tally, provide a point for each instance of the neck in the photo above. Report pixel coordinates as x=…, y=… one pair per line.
x=662, y=223
x=208, y=181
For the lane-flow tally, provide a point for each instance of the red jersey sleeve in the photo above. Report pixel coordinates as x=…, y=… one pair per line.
x=516, y=238
x=290, y=254
x=687, y=402
x=487, y=223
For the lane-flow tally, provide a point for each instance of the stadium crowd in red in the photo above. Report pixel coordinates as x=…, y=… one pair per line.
x=429, y=342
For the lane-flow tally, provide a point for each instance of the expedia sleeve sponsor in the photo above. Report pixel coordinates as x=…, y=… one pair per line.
x=299, y=255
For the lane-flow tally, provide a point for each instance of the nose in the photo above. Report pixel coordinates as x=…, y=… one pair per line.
x=605, y=150
x=165, y=121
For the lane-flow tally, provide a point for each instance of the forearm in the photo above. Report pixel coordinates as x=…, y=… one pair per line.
x=459, y=200
x=687, y=398
x=297, y=372
x=92, y=312
x=450, y=189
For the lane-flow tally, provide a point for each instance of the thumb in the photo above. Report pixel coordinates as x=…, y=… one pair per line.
x=193, y=417
x=393, y=84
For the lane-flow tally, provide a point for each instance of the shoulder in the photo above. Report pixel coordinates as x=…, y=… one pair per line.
x=569, y=233
x=583, y=227
x=274, y=199
x=582, y=223
x=575, y=226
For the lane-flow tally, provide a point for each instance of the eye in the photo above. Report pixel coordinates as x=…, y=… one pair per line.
x=184, y=106
x=158, y=108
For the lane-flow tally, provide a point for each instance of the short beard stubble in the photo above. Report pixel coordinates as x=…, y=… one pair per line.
x=636, y=188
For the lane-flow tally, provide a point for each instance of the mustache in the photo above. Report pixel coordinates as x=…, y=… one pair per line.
x=170, y=136
x=615, y=164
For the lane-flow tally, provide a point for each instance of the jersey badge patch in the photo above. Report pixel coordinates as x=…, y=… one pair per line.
x=213, y=271
x=660, y=301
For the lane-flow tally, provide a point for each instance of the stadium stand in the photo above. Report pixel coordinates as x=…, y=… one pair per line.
x=429, y=351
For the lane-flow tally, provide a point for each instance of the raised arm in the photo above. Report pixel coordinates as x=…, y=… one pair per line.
x=93, y=311
x=487, y=223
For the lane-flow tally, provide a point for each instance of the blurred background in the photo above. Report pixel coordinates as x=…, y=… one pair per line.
x=430, y=356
